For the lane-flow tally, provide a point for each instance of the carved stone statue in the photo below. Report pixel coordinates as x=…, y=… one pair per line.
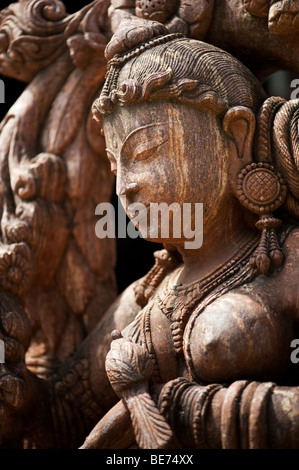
x=200, y=352
x=186, y=122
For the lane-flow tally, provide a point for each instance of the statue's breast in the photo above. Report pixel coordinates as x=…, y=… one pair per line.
x=238, y=337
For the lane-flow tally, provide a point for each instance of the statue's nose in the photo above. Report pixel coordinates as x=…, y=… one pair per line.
x=126, y=189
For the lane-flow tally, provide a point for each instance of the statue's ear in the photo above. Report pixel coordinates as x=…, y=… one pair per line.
x=239, y=125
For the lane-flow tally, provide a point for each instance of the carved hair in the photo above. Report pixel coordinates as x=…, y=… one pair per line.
x=182, y=70
x=277, y=142
x=286, y=151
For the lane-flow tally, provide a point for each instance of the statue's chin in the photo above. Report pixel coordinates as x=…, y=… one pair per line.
x=164, y=240
x=145, y=233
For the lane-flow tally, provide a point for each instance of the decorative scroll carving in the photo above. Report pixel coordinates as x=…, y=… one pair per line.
x=274, y=24
x=190, y=18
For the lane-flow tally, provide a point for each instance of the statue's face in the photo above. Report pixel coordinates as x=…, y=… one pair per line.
x=169, y=153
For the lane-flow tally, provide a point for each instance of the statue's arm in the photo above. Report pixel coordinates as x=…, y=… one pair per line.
x=244, y=415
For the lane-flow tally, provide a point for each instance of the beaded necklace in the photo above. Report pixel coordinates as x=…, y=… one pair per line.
x=177, y=302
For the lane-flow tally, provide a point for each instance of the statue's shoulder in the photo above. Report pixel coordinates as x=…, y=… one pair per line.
x=124, y=309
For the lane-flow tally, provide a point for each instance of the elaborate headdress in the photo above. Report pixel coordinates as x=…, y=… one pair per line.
x=147, y=63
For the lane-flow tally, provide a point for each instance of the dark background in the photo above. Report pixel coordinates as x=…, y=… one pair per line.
x=134, y=257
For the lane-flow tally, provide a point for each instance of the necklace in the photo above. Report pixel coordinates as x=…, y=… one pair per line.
x=178, y=301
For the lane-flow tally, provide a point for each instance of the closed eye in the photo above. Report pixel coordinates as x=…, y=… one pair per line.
x=143, y=151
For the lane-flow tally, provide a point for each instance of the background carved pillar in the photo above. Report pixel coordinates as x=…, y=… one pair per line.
x=53, y=174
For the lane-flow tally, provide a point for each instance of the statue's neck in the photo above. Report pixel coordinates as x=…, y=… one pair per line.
x=227, y=235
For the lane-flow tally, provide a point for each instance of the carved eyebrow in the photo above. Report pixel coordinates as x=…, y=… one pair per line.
x=131, y=136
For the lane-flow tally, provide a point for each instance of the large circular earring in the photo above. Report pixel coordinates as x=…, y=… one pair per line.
x=261, y=189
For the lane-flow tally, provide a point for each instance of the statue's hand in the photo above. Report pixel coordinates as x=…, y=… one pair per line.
x=129, y=369
x=15, y=379
x=127, y=365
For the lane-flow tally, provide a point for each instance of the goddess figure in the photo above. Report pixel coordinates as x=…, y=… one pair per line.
x=201, y=345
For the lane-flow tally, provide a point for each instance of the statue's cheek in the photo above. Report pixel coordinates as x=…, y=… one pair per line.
x=237, y=337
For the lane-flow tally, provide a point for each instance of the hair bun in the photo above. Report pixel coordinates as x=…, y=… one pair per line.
x=131, y=32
